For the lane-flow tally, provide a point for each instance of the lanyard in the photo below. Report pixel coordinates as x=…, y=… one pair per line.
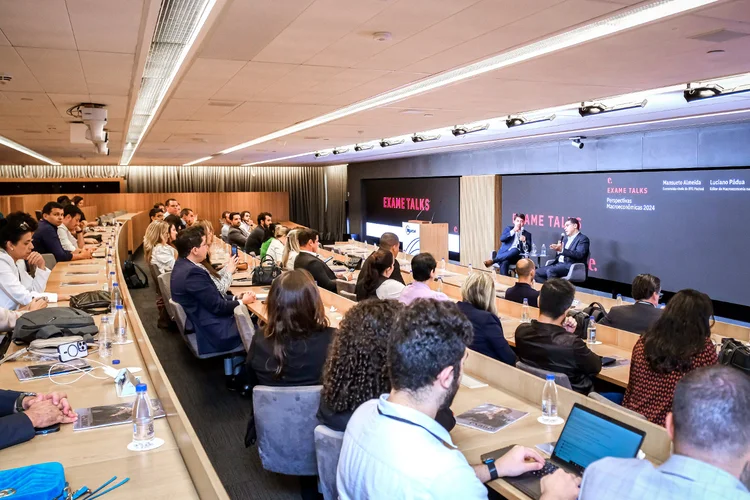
x=399, y=419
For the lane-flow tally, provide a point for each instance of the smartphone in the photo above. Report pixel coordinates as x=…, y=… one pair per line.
x=47, y=430
x=234, y=250
x=329, y=259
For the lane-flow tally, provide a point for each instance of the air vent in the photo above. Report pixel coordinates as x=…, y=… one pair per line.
x=5, y=78
x=223, y=104
x=719, y=36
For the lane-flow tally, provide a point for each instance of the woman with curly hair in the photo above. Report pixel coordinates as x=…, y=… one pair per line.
x=356, y=369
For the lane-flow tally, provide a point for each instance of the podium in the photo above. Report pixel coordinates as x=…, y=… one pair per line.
x=424, y=236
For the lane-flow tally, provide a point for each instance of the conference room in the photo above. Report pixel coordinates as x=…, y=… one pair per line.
x=371, y=249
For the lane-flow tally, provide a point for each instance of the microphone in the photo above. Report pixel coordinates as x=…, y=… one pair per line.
x=562, y=237
x=420, y=213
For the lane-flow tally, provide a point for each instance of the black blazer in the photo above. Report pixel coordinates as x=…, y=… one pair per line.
x=521, y=291
x=305, y=357
x=321, y=273
x=636, y=318
x=551, y=347
x=235, y=236
x=15, y=428
x=209, y=312
x=578, y=251
x=488, y=334
x=359, y=288
x=255, y=240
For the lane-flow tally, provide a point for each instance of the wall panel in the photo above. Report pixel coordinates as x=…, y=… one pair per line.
x=480, y=217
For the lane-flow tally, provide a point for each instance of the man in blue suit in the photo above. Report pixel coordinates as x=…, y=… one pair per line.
x=515, y=241
x=23, y=412
x=573, y=249
x=209, y=312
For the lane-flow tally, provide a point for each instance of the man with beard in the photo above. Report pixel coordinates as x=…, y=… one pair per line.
x=393, y=447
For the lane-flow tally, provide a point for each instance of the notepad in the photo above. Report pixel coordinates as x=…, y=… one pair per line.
x=471, y=382
x=40, y=371
x=105, y=416
x=79, y=283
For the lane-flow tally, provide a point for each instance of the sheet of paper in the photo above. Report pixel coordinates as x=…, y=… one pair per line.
x=471, y=382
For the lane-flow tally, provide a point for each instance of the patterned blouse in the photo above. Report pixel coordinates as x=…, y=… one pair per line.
x=650, y=393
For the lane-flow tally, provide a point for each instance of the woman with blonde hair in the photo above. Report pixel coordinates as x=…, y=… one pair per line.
x=157, y=246
x=278, y=243
x=223, y=278
x=291, y=250
x=478, y=305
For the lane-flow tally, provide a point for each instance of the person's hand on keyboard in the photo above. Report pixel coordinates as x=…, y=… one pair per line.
x=518, y=461
x=560, y=486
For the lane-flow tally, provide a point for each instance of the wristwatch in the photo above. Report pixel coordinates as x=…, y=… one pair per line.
x=21, y=397
x=490, y=463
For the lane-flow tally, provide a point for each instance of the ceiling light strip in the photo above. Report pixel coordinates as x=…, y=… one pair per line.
x=23, y=149
x=199, y=160
x=623, y=20
x=177, y=27
x=276, y=159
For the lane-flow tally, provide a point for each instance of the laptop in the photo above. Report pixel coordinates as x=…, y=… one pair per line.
x=587, y=436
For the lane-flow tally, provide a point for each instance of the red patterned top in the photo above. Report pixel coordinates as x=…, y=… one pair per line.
x=651, y=393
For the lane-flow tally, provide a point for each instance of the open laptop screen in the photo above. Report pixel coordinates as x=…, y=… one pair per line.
x=588, y=436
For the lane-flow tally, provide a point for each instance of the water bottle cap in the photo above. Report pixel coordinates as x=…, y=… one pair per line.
x=118, y=306
x=115, y=361
x=591, y=318
x=111, y=272
x=115, y=284
x=550, y=377
x=525, y=302
x=141, y=388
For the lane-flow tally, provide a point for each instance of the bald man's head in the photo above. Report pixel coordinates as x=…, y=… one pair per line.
x=525, y=268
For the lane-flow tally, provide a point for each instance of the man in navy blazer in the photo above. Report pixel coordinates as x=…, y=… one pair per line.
x=210, y=313
x=573, y=249
x=515, y=241
x=23, y=412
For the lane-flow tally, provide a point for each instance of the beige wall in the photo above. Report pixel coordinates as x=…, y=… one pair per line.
x=481, y=217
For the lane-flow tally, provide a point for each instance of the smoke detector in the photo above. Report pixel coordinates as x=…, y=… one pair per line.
x=381, y=36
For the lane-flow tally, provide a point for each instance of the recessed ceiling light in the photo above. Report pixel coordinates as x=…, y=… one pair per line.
x=381, y=36
x=620, y=21
x=23, y=149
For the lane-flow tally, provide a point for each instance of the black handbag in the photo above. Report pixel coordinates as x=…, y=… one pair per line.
x=583, y=317
x=265, y=272
x=96, y=302
x=735, y=353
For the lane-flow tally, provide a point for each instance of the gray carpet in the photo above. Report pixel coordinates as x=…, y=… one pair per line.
x=218, y=415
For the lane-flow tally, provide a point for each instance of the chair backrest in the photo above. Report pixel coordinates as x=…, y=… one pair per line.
x=285, y=423
x=155, y=277
x=245, y=325
x=327, y=450
x=179, y=317
x=166, y=292
x=577, y=273
x=605, y=401
x=560, y=378
x=49, y=261
x=348, y=295
x=345, y=286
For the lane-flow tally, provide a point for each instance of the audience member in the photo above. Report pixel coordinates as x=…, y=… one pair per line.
x=222, y=278
x=679, y=341
x=388, y=242
x=637, y=318
x=63, y=200
x=549, y=342
x=8, y=318
x=356, y=369
x=78, y=201
x=393, y=447
x=70, y=232
x=156, y=214
x=515, y=241
x=573, y=249
x=291, y=250
x=478, y=304
x=160, y=206
x=710, y=429
x=210, y=313
x=524, y=287
x=246, y=226
x=23, y=412
x=188, y=217
x=46, y=239
x=235, y=236
x=259, y=234
x=378, y=279
x=308, y=259
x=173, y=207
x=158, y=246
x=226, y=224
x=423, y=268
x=291, y=348
x=17, y=287
x=277, y=243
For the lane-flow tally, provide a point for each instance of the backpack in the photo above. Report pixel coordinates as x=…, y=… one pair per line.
x=130, y=274
x=582, y=318
x=736, y=354
x=53, y=322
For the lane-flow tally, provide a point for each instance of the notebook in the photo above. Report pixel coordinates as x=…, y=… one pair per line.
x=489, y=418
x=105, y=416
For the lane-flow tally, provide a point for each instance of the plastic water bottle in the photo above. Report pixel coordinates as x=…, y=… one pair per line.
x=442, y=264
x=110, y=266
x=544, y=251
x=619, y=299
x=440, y=284
x=143, y=417
x=121, y=324
x=105, y=338
x=549, y=398
x=525, y=318
x=116, y=298
x=471, y=269
x=591, y=334
x=110, y=281
x=533, y=249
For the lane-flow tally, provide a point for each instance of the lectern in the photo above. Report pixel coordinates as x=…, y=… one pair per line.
x=424, y=236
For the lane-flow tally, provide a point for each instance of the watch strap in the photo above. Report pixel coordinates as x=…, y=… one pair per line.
x=493, y=470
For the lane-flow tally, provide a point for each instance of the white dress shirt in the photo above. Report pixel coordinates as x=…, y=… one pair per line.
x=567, y=246
x=276, y=250
x=163, y=257
x=8, y=319
x=67, y=240
x=394, y=452
x=390, y=289
x=246, y=229
x=17, y=287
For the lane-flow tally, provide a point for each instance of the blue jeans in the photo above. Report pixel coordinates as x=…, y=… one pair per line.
x=505, y=259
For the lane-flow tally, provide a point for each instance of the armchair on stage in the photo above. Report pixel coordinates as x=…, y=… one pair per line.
x=577, y=272
x=424, y=236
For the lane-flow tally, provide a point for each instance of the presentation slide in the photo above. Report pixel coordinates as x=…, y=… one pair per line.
x=389, y=202
x=686, y=227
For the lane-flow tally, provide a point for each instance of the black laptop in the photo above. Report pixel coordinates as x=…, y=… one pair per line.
x=587, y=436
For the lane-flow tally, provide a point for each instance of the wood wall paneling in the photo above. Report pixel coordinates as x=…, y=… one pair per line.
x=479, y=213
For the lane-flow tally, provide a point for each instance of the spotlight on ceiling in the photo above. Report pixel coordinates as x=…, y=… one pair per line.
x=469, y=129
x=384, y=143
x=517, y=120
x=363, y=147
x=597, y=108
x=577, y=142
x=424, y=137
x=708, y=91
x=340, y=151
x=321, y=154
